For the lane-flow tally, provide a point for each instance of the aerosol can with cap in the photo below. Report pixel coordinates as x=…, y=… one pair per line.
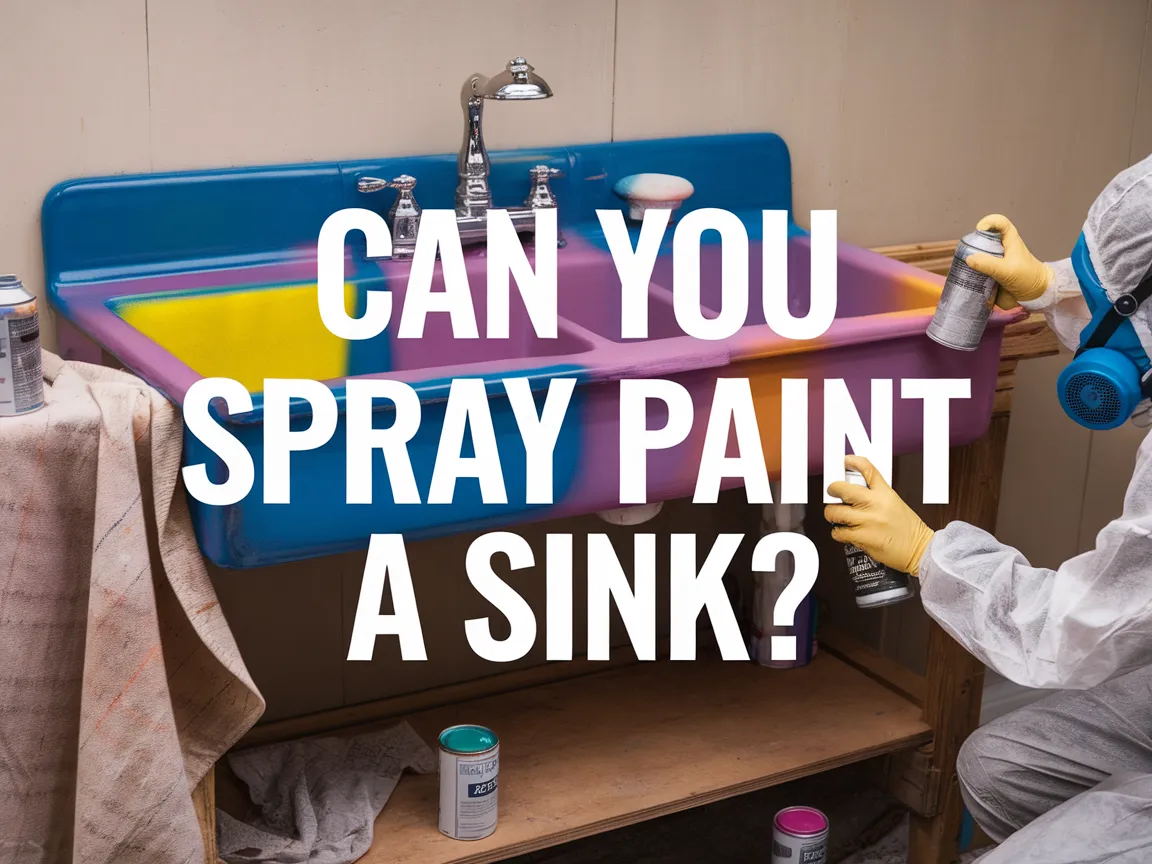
x=968, y=297
x=21, y=375
x=873, y=583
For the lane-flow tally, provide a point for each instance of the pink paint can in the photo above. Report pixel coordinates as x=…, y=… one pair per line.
x=800, y=836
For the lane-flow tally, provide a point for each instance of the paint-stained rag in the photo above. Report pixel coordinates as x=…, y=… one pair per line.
x=120, y=682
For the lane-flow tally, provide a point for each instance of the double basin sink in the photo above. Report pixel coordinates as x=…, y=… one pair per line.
x=169, y=275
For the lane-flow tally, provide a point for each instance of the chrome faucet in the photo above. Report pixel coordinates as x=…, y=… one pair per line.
x=518, y=81
x=473, y=194
x=405, y=212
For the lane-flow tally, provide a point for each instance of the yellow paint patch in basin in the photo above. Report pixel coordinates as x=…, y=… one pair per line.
x=246, y=334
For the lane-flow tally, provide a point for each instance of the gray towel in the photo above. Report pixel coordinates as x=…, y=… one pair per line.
x=318, y=797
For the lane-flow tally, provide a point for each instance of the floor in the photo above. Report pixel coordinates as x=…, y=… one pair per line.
x=867, y=827
x=893, y=849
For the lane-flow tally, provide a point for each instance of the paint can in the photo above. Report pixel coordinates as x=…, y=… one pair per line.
x=873, y=583
x=968, y=296
x=799, y=836
x=469, y=771
x=21, y=372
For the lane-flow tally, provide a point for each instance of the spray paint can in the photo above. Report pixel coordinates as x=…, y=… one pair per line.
x=968, y=297
x=872, y=582
x=21, y=372
x=469, y=772
x=800, y=836
x=767, y=588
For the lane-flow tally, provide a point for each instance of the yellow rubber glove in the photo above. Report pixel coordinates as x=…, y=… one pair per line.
x=877, y=520
x=1022, y=276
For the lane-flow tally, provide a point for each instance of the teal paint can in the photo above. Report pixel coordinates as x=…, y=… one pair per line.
x=469, y=777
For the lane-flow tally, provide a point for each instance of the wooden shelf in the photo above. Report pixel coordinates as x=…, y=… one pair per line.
x=595, y=753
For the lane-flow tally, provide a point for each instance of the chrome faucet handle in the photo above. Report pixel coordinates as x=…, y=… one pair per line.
x=405, y=204
x=404, y=214
x=405, y=183
x=541, y=194
x=544, y=172
x=371, y=184
x=541, y=197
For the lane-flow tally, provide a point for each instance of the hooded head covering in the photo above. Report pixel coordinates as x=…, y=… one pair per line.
x=1118, y=234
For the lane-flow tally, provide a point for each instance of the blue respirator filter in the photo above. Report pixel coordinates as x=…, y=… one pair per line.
x=1099, y=389
x=1111, y=373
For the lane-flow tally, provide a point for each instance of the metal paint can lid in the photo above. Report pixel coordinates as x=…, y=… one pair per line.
x=801, y=821
x=10, y=280
x=468, y=740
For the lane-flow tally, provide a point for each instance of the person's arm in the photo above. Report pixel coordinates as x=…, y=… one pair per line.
x=1063, y=304
x=1072, y=627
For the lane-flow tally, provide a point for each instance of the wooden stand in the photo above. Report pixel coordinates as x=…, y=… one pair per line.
x=955, y=678
x=587, y=751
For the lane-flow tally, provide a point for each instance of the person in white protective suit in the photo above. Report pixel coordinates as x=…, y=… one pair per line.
x=1067, y=780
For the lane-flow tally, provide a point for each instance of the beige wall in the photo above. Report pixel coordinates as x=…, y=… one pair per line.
x=912, y=119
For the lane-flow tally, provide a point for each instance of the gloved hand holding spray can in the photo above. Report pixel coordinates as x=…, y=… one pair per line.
x=969, y=295
x=992, y=267
x=873, y=583
x=872, y=521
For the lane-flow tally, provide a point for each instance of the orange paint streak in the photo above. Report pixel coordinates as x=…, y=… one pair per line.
x=153, y=652
x=26, y=512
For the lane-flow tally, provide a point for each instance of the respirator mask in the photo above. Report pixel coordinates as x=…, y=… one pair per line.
x=1110, y=374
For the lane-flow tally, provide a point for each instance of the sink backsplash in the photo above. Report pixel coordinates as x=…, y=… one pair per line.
x=148, y=224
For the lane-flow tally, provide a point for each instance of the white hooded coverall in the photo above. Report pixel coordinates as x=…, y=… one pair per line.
x=1067, y=780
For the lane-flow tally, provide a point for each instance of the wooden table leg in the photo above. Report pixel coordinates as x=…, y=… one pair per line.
x=204, y=802
x=955, y=677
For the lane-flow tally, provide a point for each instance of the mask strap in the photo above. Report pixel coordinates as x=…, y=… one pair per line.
x=1123, y=307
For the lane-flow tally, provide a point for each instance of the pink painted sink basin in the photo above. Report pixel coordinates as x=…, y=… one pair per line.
x=175, y=329
x=190, y=275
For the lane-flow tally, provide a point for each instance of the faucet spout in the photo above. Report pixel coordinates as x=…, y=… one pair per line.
x=473, y=197
x=516, y=83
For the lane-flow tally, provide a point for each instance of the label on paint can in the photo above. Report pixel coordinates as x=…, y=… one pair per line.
x=469, y=777
x=872, y=582
x=968, y=297
x=21, y=373
x=800, y=836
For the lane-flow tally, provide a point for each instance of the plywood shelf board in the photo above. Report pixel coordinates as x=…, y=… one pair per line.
x=349, y=718
x=599, y=752
x=876, y=665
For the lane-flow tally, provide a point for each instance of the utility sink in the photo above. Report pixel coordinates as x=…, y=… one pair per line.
x=204, y=274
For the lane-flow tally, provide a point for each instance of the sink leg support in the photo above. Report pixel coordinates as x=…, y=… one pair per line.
x=956, y=678
x=204, y=803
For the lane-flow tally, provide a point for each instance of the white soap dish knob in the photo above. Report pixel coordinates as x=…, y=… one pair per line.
x=635, y=514
x=656, y=191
